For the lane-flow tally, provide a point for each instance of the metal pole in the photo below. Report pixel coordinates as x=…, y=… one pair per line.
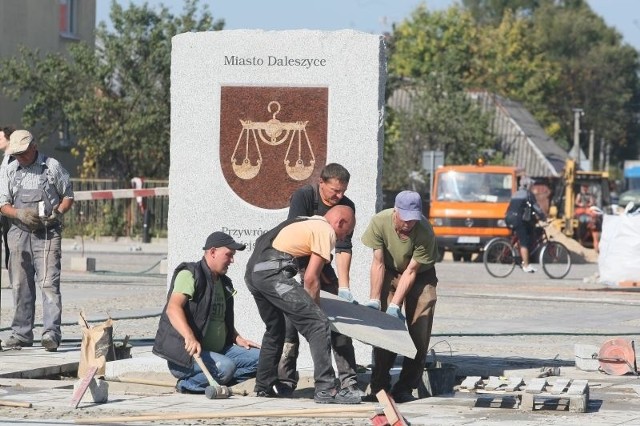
x=577, y=112
x=433, y=168
x=592, y=142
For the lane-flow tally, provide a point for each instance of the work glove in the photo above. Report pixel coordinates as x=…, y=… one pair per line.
x=55, y=216
x=373, y=304
x=394, y=311
x=345, y=293
x=28, y=217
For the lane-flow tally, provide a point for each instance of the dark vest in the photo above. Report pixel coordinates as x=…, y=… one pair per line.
x=169, y=344
x=264, y=250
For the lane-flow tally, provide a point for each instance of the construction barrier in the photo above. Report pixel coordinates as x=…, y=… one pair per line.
x=120, y=193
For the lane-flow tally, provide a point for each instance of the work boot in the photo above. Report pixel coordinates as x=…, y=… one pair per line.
x=356, y=390
x=402, y=397
x=278, y=390
x=342, y=396
x=13, y=343
x=370, y=397
x=49, y=343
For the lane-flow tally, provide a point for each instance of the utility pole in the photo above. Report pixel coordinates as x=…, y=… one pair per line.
x=577, y=113
x=592, y=143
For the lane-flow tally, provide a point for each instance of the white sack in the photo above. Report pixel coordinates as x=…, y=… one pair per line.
x=619, y=258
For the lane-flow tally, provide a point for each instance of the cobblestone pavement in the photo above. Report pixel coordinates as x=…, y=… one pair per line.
x=522, y=323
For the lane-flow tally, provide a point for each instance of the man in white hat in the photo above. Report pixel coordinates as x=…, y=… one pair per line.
x=35, y=191
x=403, y=273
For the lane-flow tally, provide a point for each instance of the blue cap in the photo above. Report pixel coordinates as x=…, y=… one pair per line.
x=409, y=206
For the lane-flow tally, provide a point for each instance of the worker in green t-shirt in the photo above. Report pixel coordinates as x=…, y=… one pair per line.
x=403, y=273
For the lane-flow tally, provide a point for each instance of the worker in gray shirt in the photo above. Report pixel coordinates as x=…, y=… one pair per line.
x=35, y=191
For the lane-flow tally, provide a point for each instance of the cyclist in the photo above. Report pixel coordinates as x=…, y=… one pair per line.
x=522, y=214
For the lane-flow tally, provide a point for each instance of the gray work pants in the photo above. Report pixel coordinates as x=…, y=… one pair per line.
x=35, y=259
x=420, y=304
x=343, y=351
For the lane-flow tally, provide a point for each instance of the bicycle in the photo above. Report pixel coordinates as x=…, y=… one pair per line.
x=501, y=255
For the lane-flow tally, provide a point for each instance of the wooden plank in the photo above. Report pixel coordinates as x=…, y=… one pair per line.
x=579, y=403
x=559, y=386
x=390, y=409
x=367, y=325
x=536, y=385
x=19, y=404
x=526, y=402
x=84, y=385
x=578, y=387
x=471, y=382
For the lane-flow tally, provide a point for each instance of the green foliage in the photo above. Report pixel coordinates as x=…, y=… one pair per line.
x=431, y=54
x=440, y=42
x=598, y=73
x=511, y=63
x=110, y=221
x=490, y=12
x=439, y=117
x=550, y=55
x=115, y=98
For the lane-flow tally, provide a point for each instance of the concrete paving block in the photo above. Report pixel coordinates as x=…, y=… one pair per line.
x=98, y=391
x=145, y=364
x=83, y=264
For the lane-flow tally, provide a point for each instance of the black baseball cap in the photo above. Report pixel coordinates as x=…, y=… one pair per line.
x=220, y=239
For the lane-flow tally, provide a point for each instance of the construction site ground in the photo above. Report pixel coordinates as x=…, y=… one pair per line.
x=520, y=326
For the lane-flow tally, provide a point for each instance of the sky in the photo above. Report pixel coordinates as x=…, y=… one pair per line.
x=373, y=16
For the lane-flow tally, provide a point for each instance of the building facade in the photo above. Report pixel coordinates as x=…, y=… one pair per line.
x=50, y=26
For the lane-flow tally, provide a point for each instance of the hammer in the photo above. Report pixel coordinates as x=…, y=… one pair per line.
x=214, y=390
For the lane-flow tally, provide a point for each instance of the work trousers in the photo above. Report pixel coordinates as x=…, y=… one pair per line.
x=234, y=364
x=35, y=259
x=342, y=346
x=419, y=306
x=277, y=294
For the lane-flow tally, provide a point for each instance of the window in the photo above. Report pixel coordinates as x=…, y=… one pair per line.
x=67, y=17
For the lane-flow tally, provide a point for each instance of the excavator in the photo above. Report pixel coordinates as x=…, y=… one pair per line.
x=562, y=211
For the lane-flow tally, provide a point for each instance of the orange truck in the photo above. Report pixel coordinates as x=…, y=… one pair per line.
x=468, y=205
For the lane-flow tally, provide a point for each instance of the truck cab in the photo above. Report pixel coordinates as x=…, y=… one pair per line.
x=468, y=207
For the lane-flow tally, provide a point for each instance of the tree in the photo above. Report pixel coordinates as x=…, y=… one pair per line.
x=115, y=98
x=512, y=63
x=430, y=54
x=598, y=73
x=490, y=12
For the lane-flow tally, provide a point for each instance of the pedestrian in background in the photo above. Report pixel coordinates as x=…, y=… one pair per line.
x=311, y=200
x=35, y=191
x=403, y=273
x=5, y=134
x=199, y=320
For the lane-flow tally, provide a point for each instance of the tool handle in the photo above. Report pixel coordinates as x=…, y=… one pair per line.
x=205, y=370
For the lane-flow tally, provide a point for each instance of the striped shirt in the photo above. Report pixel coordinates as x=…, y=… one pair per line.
x=58, y=176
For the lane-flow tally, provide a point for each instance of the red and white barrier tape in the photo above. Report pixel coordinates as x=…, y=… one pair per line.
x=119, y=193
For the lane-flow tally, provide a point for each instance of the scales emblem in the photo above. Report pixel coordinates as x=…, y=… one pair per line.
x=273, y=133
x=273, y=140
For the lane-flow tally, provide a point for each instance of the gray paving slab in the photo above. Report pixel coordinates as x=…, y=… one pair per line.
x=367, y=325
